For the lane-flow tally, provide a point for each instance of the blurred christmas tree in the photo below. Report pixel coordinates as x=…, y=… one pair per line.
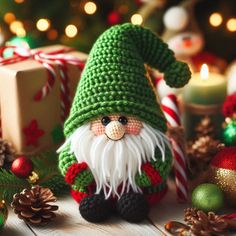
x=77, y=23
x=71, y=22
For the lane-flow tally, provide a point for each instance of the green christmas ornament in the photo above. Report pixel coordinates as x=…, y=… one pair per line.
x=3, y=213
x=208, y=197
x=229, y=133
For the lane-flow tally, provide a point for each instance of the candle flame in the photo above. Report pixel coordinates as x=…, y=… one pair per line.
x=204, y=73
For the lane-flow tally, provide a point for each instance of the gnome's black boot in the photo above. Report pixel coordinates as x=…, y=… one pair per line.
x=95, y=208
x=133, y=207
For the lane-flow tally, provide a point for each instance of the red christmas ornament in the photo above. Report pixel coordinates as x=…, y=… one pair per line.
x=114, y=18
x=22, y=167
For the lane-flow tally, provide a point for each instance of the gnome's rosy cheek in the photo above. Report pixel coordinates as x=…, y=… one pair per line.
x=97, y=127
x=134, y=126
x=116, y=126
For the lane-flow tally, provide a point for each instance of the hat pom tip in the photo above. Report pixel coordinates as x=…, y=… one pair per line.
x=178, y=74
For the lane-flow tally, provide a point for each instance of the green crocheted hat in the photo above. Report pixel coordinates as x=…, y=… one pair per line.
x=114, y=78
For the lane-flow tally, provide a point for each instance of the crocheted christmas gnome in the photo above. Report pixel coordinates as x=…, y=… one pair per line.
x=116, y=156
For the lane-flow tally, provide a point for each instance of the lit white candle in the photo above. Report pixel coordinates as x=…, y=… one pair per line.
x=205, y=88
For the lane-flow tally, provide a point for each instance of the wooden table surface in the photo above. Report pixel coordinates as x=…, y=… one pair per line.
x=69, y=221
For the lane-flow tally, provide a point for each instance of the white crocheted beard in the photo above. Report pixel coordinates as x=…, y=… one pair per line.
x=115, y=163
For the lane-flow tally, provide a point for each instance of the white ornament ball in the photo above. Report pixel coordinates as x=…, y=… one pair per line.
x=231, y=76
x=176, y=18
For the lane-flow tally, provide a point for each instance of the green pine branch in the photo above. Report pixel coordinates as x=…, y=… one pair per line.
x=46, y=159
x=46, y=166
x=10, y=184
x=55, y=182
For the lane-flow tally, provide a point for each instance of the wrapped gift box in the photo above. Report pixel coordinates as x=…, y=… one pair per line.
x=34, y=126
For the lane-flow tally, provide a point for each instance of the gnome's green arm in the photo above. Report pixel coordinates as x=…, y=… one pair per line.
x=155, y=172
x=76, y=174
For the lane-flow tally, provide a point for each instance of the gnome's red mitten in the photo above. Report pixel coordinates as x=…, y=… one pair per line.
x=80, y=178
x=78, y=174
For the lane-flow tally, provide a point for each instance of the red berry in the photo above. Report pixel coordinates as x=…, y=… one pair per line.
x=22, y=167
x=229, y=106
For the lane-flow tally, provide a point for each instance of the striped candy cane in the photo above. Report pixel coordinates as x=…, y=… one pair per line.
x=171, y=112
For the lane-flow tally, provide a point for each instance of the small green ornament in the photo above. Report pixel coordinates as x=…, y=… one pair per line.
x=208, y=197
x=3, y=213
x=26, y=42
x=57, y=134
x=229, y=133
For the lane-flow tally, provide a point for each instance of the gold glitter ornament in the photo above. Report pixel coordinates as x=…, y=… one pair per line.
x=226, y=180
x=222, y=172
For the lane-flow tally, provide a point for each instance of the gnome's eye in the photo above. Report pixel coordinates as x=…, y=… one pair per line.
x=123, y=120
x=105, y=120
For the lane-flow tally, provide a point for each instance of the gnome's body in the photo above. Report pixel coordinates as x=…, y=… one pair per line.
x=116, y=156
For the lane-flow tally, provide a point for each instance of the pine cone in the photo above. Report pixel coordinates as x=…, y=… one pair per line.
x=203, y=224
x=204, y=147
x=31, y=205
x=205, y=127
x=190, y=215
x=200, y=152
x=6, y=151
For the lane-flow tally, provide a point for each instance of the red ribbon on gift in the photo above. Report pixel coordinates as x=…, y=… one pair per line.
x=48, y=60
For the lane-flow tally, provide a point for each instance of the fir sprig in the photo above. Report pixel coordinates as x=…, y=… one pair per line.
x=46, y=165
x=10, y=184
